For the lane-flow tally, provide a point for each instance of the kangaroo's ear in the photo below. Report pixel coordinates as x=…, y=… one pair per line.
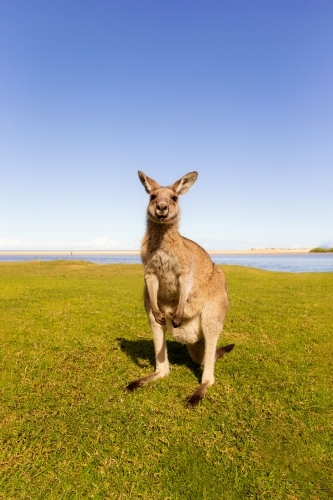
x=148, y=183
x=184, y=184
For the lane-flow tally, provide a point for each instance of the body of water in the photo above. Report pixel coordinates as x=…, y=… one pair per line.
x=294, y=263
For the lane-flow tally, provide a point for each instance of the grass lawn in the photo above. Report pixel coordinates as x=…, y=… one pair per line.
x=73, y=334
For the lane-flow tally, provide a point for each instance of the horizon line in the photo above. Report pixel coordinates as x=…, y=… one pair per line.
x=137, y=251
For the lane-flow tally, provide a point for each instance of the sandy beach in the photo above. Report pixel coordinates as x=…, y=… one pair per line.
x=137, y=252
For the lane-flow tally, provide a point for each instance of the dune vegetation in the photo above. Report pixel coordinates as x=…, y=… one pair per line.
x=73, y=334
x=321, y=250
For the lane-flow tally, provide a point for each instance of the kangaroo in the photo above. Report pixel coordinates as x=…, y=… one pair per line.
x=185, y=293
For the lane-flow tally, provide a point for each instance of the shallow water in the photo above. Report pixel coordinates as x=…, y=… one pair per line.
x=301, y=263
x=297, y=263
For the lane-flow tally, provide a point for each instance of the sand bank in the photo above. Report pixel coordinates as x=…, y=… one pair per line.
x=265, y=251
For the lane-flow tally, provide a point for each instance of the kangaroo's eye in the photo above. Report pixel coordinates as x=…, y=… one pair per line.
x=174, y=198
x=152, y=197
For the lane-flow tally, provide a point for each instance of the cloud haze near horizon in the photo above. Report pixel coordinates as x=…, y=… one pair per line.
x=93, y=92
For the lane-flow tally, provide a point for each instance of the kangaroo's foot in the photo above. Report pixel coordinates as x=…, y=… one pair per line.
x=135, y=385
x=148, y=378
x=159, y=317
x=197, y=396
x=221, y=351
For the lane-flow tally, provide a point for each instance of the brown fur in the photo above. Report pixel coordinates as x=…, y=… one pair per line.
x=184, y=292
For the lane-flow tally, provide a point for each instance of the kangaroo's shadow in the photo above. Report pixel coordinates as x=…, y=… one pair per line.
x=143, y=354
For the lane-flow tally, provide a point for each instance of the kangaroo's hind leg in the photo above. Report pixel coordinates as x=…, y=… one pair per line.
x=211, y=330
x=197, y=351
x=212, y=317
x=161, y=356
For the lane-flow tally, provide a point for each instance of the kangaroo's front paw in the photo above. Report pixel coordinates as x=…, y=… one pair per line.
x=159, y=317
x=177, y=321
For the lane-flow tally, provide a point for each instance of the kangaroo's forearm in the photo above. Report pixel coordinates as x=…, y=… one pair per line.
x=184, y=286
x=181, y=304
x=152, y=289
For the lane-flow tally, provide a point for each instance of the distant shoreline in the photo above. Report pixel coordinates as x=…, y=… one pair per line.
x=73, y=253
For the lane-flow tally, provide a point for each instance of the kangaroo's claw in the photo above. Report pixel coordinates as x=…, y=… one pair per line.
x=176, y=321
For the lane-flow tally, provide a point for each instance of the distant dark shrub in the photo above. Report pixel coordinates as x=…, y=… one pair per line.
x=321, y=250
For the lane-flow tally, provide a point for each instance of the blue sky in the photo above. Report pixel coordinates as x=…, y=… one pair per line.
x=91, y=92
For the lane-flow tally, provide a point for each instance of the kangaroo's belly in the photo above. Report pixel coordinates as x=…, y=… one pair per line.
x=168, y=289
x=188, y=333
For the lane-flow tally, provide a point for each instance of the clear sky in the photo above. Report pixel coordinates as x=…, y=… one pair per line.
x=93, y=91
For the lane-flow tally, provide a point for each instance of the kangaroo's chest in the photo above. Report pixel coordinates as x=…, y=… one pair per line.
x=167, y=269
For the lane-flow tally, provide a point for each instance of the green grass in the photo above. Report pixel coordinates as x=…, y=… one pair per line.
x=73, y=334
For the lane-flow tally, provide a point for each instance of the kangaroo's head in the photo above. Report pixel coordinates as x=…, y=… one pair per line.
x=163, y=206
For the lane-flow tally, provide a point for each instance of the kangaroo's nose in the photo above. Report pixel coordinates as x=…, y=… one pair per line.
x=162, y=206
